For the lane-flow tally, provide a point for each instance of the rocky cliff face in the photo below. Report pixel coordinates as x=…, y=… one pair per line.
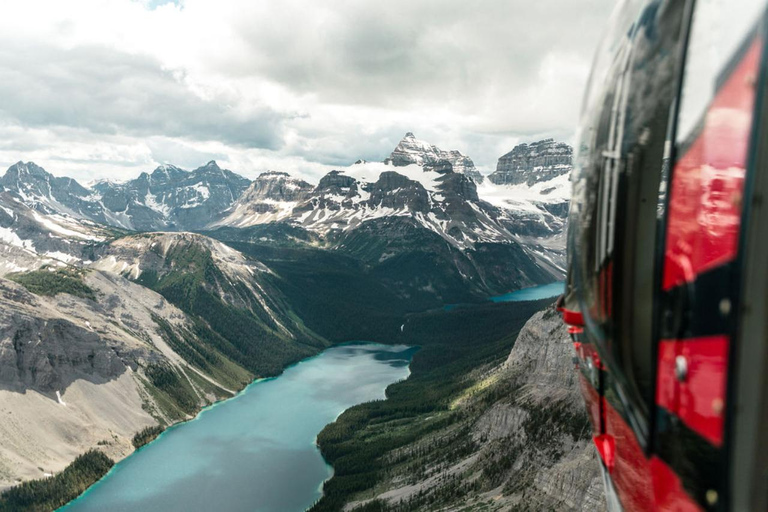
x=270, y=198
x=532, y=188
x=544, y=424
x=530, y=439
x=411, y=150
x=533, y=163
x=78, y=373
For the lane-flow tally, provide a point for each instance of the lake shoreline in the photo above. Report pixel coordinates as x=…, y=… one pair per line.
x=240, y=392
x=395, y=348
x=178, y=423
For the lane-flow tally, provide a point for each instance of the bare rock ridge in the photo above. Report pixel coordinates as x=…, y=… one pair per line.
x=557, y=466
x=533, y=163
x=278, y=186
x=270, y=198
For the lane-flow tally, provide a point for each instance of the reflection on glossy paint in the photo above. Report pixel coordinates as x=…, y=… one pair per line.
x=707, y=182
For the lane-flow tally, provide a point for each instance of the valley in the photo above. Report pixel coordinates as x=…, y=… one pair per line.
x=128, y=307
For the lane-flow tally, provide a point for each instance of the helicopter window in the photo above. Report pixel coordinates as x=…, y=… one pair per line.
x=718, y=29
x=631, y=171
x=614, y=209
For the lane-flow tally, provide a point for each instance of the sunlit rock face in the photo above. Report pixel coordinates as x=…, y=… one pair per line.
x=271, y=197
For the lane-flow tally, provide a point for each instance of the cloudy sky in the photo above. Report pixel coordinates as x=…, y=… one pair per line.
x=109, y=88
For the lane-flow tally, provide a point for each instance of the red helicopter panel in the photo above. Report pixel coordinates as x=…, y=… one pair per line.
x=666, y=193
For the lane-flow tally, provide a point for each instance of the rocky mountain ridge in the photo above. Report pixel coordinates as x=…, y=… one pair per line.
x=533, y=163
x=169, y=198
x=411, y=150
x=388, y=215
x=442, y=201
x=271, y=197
x=172, y=199
x=523, y=443
x=372, y=209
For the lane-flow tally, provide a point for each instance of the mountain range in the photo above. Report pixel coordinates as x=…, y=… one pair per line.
x=124, y=305
x=419, y=187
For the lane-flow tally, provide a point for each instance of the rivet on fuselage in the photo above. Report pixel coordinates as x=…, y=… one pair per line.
x=681, y=368
x=725, y=307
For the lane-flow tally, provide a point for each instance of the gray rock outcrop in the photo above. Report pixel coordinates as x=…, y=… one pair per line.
x=530, y=445
x=533, y=163
x=544, y=425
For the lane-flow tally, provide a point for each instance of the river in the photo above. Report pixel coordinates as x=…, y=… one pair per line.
x=255, y=452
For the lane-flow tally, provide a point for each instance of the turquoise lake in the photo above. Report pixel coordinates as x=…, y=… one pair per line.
x=544, y=291
x=255, y=452
x=533, y=293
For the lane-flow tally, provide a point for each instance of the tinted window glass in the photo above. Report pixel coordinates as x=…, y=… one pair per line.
x=617, y=183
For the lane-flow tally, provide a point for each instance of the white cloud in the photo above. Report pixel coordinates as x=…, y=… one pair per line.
x=109, y=87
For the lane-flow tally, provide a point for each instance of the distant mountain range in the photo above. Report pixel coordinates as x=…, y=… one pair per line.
x=167, y=199
x=440, y=191
x=425, y=219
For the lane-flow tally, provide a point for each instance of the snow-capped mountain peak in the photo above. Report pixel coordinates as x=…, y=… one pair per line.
x=433, y=197
x=411, y=150
x=167, y=198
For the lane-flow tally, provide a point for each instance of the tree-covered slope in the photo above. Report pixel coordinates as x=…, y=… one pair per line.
x=236, y=310
x=474, y=427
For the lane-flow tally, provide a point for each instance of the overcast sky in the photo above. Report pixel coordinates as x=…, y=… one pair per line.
x=110, y=88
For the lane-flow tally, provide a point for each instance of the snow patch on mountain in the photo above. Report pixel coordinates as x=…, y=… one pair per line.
x=65, y=227
x=370, y=172
x=10, y=237
x=524, y=197
x=411, y=150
